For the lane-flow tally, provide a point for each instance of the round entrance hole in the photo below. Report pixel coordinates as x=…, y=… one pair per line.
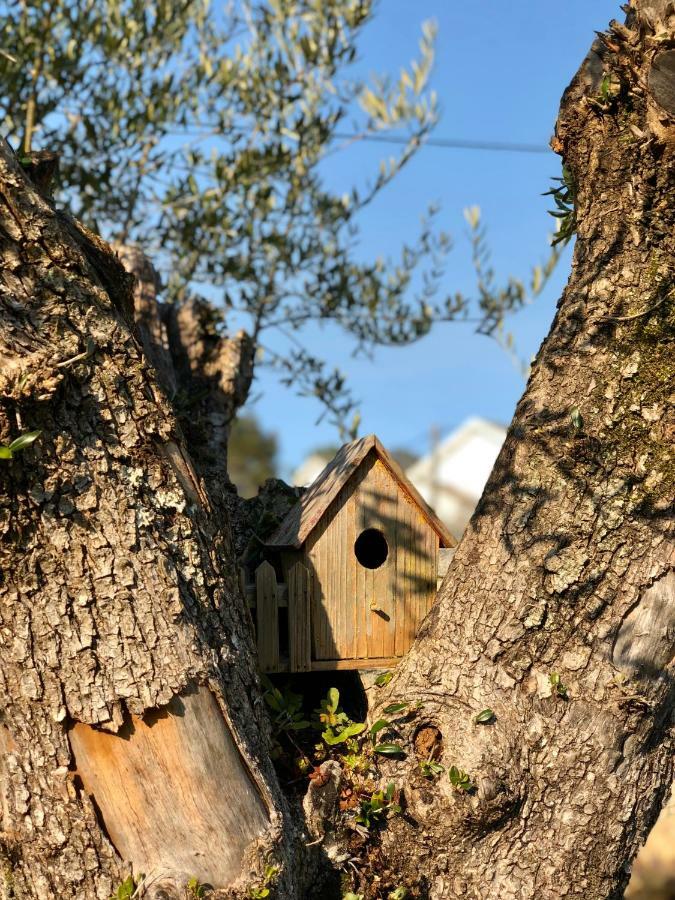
x=371, y=548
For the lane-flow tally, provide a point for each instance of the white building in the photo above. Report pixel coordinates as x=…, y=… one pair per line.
x=452, y=477
x=310, y=468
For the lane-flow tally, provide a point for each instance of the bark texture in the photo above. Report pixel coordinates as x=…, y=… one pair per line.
x=567, y=567
x=118, y=594
x=205, y=372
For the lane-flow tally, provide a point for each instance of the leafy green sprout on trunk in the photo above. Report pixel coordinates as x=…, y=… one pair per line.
x=8, y=451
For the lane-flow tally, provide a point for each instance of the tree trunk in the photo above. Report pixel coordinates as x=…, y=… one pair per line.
x=558, y=612
x=131, y=726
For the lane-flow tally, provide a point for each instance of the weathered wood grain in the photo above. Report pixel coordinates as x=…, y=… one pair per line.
x=172, y=790
x=267, y=617
x=299, y=620
x=307, y=513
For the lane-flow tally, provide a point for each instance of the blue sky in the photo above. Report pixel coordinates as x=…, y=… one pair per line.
x=500, y=71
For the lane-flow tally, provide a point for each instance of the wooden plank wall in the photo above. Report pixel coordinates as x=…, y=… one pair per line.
x=360, y=613
x=267, y=618
x=300, y=585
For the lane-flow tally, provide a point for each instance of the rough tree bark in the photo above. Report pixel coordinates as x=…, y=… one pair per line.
x=567, y=566
x=125, y=648
x=131, y=728
x=205, y=372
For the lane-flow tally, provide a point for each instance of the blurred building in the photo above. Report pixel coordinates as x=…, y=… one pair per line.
x=452, y=476
x=311, y=467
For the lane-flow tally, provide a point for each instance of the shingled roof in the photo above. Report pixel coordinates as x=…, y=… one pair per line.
x=308, y=511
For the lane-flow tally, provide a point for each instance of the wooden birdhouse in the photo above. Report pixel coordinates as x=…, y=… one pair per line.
x=351, y=571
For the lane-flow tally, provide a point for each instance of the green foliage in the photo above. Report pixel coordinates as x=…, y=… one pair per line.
x=564, y=197
x=496, y=302
x=350, y=895
x=127, y=889
x=378, y=726
x=400, y=893
x=379, y=805
x=576, y=418
x=431, y=769
x=608, y=93
x=485, y=716
x=461, y=780
x=559, y=689
x=285, y=708
x=262, y=889
x=200, y=132
x=394, y=708
x=195, y=888
x=338, y=727
x=8, y=451
x=384, y=679
x=349, y=731
x=389, y=749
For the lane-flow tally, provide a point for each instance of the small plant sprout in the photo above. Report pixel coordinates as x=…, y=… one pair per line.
x=394, y=708
x=564, y=197
x=8, y=451
x=350, y=895
x=484, y=717
x=460, y=780
x=338, y=727
x=400, y=893
x=387, y=749
x=262, y=890
x=576, y=418
x=378, y=726
x=557, y=686
x=384, y=679
x=431, y=769
x=379, y=805
x=195, y=888
x=609, y=91
x=286, y=708
x=128, y=888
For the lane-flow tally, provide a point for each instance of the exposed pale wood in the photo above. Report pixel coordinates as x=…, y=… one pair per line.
x=327, y=665
x=299, y=605
x=431, y=571
x=172, y=790
x=308, y=511
x=267, y=617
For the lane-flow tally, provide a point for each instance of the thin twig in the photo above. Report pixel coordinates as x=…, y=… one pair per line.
x=635, y=315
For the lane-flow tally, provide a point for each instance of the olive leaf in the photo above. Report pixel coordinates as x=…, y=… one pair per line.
x=484, y=716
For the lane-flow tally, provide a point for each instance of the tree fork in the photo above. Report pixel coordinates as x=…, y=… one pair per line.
x=558, y=611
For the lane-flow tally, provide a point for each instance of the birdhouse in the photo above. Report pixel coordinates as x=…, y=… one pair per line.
x=351, y=571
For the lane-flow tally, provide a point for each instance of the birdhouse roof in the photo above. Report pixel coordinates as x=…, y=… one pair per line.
x=308, y=511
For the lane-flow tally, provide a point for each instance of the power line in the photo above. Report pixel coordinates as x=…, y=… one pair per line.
x=450, y=143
